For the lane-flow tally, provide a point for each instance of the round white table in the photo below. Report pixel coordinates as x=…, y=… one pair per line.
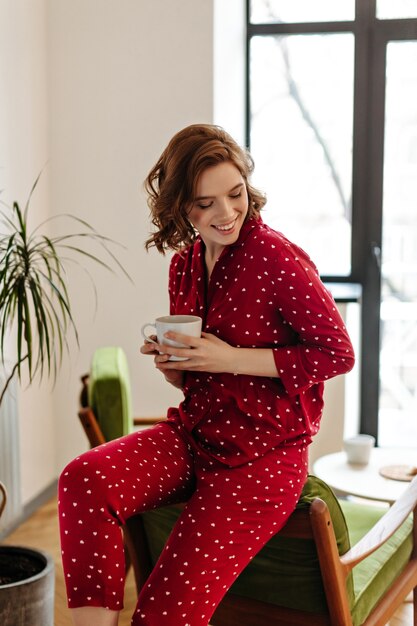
x=365, y=481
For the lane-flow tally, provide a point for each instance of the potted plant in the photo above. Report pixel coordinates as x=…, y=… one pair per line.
x=26, y=583
x=34, y=299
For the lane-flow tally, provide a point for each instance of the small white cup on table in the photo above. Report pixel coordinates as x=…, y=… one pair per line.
x=358, y=449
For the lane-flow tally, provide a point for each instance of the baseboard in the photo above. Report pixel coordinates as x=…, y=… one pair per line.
x=31, y=507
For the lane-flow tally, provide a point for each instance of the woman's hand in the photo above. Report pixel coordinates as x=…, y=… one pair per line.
x=173, y=376
x=210, y=354
x=205, y=354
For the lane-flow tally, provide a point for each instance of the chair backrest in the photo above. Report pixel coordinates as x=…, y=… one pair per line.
x=109, y=393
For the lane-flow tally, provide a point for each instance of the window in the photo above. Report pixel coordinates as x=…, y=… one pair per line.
x=332, y=126
x=308, y=108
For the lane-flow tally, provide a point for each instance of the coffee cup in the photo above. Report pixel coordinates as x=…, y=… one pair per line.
x=185, y=324
x=358, y=448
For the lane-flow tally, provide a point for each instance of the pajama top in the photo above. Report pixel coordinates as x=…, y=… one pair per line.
x=264, y=292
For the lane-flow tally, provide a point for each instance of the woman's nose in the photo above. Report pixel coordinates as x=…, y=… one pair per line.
x=226, y=206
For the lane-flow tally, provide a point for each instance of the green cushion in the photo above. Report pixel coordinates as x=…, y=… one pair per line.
x=158, y=524
x=109, y=392
x=375, y=574
x=286, y=571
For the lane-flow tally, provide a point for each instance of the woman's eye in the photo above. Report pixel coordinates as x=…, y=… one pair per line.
x=236, y=195
x=205, y=206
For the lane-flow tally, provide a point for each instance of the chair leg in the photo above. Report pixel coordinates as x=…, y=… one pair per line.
x=415, y=606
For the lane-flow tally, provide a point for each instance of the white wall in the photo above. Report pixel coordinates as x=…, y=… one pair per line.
x=98, y=87
x=123, y=77
x=24, y=151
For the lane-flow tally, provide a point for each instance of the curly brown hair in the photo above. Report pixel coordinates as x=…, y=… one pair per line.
x=171, y=183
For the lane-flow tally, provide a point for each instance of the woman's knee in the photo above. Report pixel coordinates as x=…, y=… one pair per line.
x=85, y=471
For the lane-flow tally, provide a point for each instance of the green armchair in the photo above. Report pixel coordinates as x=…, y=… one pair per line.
x=307, y=574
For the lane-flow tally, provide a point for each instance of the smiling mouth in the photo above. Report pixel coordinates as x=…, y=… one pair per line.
x=226, y=227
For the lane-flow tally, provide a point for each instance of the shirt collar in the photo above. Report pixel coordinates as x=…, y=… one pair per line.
x=247, y=227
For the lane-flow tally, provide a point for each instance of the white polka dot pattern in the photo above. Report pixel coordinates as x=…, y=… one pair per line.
x=230, y=514
x=264, y=292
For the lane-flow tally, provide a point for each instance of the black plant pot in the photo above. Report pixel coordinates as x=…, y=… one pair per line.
x=26, y=587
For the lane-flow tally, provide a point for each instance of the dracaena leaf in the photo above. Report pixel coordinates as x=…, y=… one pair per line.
x=33, y=285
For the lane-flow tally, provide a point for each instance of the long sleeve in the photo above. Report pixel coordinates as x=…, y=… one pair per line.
x=324, y=349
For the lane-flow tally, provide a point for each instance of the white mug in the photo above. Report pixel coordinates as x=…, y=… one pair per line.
x=185, y=324
x=358, y=448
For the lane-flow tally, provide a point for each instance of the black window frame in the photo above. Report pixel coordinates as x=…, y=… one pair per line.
x=371, y=38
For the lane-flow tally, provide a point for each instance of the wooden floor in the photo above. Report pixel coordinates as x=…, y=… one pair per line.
x=41, y=531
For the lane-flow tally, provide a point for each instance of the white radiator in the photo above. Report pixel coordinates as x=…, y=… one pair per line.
x=9, y=453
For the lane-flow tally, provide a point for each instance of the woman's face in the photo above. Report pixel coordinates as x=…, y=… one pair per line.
x=220, y=206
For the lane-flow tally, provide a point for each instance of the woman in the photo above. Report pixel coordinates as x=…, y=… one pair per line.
x=236, y=447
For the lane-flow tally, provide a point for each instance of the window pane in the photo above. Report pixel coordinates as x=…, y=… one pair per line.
x=393, y=9
x=265, y=11
x=301, y=140
x=398, y=395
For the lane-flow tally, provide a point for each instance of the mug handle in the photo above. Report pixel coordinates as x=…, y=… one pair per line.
x=4, y=498
x=144, y=335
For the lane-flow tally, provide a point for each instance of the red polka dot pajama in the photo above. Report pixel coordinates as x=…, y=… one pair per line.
x=235, y=449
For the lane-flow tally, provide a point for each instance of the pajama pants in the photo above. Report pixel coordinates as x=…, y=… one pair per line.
x=231, y=513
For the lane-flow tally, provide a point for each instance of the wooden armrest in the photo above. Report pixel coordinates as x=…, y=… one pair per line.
x=384, y=528
x=147, y=421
